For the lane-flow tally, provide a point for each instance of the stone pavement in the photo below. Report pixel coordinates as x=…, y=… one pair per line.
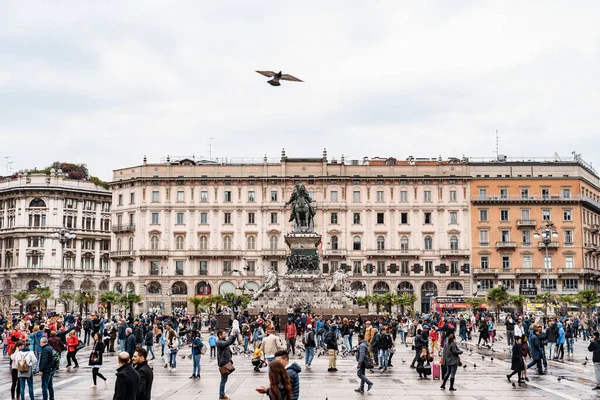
x=485, y=381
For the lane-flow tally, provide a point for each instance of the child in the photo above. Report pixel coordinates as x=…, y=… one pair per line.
x=212, y=341
x=434, y=336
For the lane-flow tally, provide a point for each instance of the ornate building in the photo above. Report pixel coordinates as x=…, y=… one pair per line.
x=184, y=228
x=32, y=206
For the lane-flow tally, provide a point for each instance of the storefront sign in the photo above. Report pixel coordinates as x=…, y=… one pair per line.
x=528, y=291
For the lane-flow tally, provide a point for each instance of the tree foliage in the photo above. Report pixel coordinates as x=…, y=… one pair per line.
x=21, y=297
x=109, y=298
x=475, y=302
x=498, y=297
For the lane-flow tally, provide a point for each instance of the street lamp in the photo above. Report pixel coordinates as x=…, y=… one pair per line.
x=546, y=234
x=63, y=235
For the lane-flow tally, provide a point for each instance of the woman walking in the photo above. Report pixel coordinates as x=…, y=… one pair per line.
x=96, y=360
x=196, y=354
x=72, y=342
x=149, y=342
x=450, y=360
x=173, y=345
x=25, y=361
x=517, y=363
x=280, y=387
x=15, y=389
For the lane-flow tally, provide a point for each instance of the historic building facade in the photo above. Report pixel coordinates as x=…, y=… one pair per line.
x=184, y=228
x=32, y=206
x=511, y=201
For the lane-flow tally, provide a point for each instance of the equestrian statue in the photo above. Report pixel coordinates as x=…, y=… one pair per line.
x=303, y=212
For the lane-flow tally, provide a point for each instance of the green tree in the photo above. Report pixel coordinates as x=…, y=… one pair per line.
x=363, y=301
x=109, y=298
x=405, y=301
x=497, y=297
x=564, y=301
x=387, y=300
x=21, y=297
x=377, y=300
x=43, y=294
x=518, y=300
x=475, y=302
x=197, y=302
x=130, y=299
x=588, y=298
x=66, y=298
x=547, y=299
x=84, y=299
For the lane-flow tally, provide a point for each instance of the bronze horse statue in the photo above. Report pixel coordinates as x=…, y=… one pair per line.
x=303, y=215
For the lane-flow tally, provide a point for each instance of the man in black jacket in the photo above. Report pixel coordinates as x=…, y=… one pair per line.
x=421, y=341
x=595, y=348
x=138, y=332
x=361, y=355
x=47, y=369
x=130, y=342
x=145, y=372
x=224, y=357
x=332, y=347
x=128, y=380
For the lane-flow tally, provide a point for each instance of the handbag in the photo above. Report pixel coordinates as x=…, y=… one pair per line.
x=410, y=340
x=227, y=369
x=368, y=362
x=79, y=346
x=427, y=369
x=203, y=349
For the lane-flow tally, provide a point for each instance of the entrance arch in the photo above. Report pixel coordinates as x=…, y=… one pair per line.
x=226, y=287
x=381, y=288
x=203, y=287
x=404, y=287
x=429, y=290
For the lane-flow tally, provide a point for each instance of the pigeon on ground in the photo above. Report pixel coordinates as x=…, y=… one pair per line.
x=474, y=365
x=559, y=378
x=492, y=358
x=585, y=363
x=403, y=361
x=465, y=366
x=277, y=77
x=586, y=359
x=482, y=358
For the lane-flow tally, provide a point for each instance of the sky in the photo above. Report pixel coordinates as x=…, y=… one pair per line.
x=105, y=83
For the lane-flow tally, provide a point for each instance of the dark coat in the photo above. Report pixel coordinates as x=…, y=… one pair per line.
x=130, y=344
x=146, y=379
x=223, y=350
x=149, y=338
x=552, y=333
x=139, y=333
x=331, y=341
x=517, y=363
x=46, y=360
x=126, y=385
x=450, y=354
x=535, y=348
x=595, y=348
x=99, y=349
x=293, y=370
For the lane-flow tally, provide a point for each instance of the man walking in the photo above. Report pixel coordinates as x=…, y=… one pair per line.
x=223, y=358
x=130, y=342
x=145, y=372
x=290, y=336
x=510, y=330
x=47, y=368
x=332, y=347
x=361, y=356
x=308, y=340
x=595, y=348
x=121, y=335
x=128, y=380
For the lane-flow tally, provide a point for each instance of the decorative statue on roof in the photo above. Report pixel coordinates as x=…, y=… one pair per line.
x=302, y=211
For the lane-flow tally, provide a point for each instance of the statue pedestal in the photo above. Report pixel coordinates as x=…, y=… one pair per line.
x=304, y=257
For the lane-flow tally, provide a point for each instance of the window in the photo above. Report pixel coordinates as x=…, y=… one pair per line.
x=203, y=218
x=179, y=219
x=453, y=196
x=275, y=266
x=524, y=194
x=130, y=243
x=178, y=267
x=273, y=242
x=251, y=196
x=227, y=242
x=546, y=215
x=526, y=236
x=404, y=218
x=505, y=235
x=251, y=243
x=483, y=215
x=403, y=196
x=35, y=261
x=273, y=195
x=380, y=197
x=569, y=262
x=509, y=284
x=484, y=237
x=504, y=193
x=548, y=262
x=37, y=220
x=380, y=243
x=570, y=284
x=545, y=194
x=453, y=217
x=381, y=270
x=427, y=196
x=334, y=243
x=427, y=216
x=453, y=242
x=549, y=285
x=428, y=267
x=356, y=218
x=204, y=196
x=334, y=218
x=250, y=267
x=484, y=261
x=380, y=218
x=356, y=196
x=454, y=269
x=251, y=218
x=155, y=196
x=227, y=196
x=566, y=193
x=155, y=217
x=526, y=261
x=568, y=233
x=486, y=284
x=505, y=262
x=504, y=215
x=129, y=268
x=525, y=215
x=428, y=243
x=356, y=243
x=35, y=241
x=120, y=200
x=567, y=215
x=404, y=242
x=154, y=243
x=203, y=242
x=203, y=267
x=404, y=268
x=482, y=194
x=179, y=243
x=273, y=218
x=227, y=218
x=357, y=267
x=527, y=283
x=226, y=267
x=180, y=196
x=334, y=196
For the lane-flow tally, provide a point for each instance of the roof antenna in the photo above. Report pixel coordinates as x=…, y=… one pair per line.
x=497, y=144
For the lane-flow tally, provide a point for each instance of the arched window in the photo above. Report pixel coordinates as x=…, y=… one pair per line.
x=179, y=288
x=381, y=288
x=203, y=287
x=380, y=243
x=131, y=243
x=428, y=243
x=405, y=287
x=119, y=244
x=454, y=285
x=154, y=288
x=203, y=243
x=103, y=287
x=226, y=242
x=118, y=288
x=179, y=243
x=334, y=243
x=154, y=243
x=130, y=287
x=37, y=202
x=273, y=242
x=404, y=242
x=356, y=244
x=453, y=242
x=68, y=286
x=251, y=242
x=87, y=285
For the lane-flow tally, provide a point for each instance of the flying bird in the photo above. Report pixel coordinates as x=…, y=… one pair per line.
x=277, y=77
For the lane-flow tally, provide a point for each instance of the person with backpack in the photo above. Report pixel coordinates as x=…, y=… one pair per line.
x=87, y=329
x=308, y=340
x=149, y=343
x=332, y=347
x=49, y=362
x=290, y=336
x=363, y=363
x=26, y=361
x=197, y=347
x=15, y=389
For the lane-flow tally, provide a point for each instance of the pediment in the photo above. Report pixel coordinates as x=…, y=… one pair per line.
x=154, y=232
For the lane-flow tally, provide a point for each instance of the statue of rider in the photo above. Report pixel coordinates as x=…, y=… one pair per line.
x=300, y=191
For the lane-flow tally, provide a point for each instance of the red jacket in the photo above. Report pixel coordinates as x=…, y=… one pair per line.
x=433, y=335
x=290, y=331
x=72, y=342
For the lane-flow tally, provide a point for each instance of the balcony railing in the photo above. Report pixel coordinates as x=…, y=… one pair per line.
x=122, y=253
x=526, y=223
x=274, y=252
x=552, y=245
x=485, y=271
x=506, y=245
x=530, y=198
x=334, y=253
x=454, y=252
x=394, y=253
x=532, y=271
x=154, y=253
x=214, y=253
x=123, y=228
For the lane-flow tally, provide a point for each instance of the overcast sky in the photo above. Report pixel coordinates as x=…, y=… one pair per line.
x=107, y=84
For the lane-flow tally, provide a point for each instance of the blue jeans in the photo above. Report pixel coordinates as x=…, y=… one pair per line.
x=173, y=358
x=350, y=340
x=245, y=343
x=569, y=345
x=122, y=345
x=29, y=383
x=363, y=379
x=196, y=363
x=347, y=342
x=149, y=349
x=222, y=385
x=402, y=336
x=47, y=386
x=536, y=362
x=309, y=355
x=384, y=356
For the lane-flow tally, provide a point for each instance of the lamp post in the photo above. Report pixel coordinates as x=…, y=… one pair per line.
x=546, y=234
x=63, y=235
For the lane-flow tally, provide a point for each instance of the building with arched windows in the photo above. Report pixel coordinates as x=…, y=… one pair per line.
x=32, y=206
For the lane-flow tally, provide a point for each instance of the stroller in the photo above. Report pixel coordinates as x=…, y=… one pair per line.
x=258, y=360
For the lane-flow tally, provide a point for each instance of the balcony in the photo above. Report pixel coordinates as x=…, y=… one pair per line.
x=334, y=253
x=485, y=271
x=122, y=254
x=214, y=253
x=39, y=271
x=570, y=271
x=394, y=253
x=154, y=253
x=531, y=198
x=551, y=245
x=529, y=271
x=123, y=228
x=274, y=252
x=506, y=245
x=526, y=223
x=454, y=253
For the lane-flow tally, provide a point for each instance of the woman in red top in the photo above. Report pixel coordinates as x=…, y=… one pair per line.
x=72, y=342
x=14, y=337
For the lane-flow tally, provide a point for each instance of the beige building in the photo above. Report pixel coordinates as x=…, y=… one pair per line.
x=32, y=206
x=183, y=228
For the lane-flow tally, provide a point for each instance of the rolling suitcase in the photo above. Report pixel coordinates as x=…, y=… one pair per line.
x=436, y=371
